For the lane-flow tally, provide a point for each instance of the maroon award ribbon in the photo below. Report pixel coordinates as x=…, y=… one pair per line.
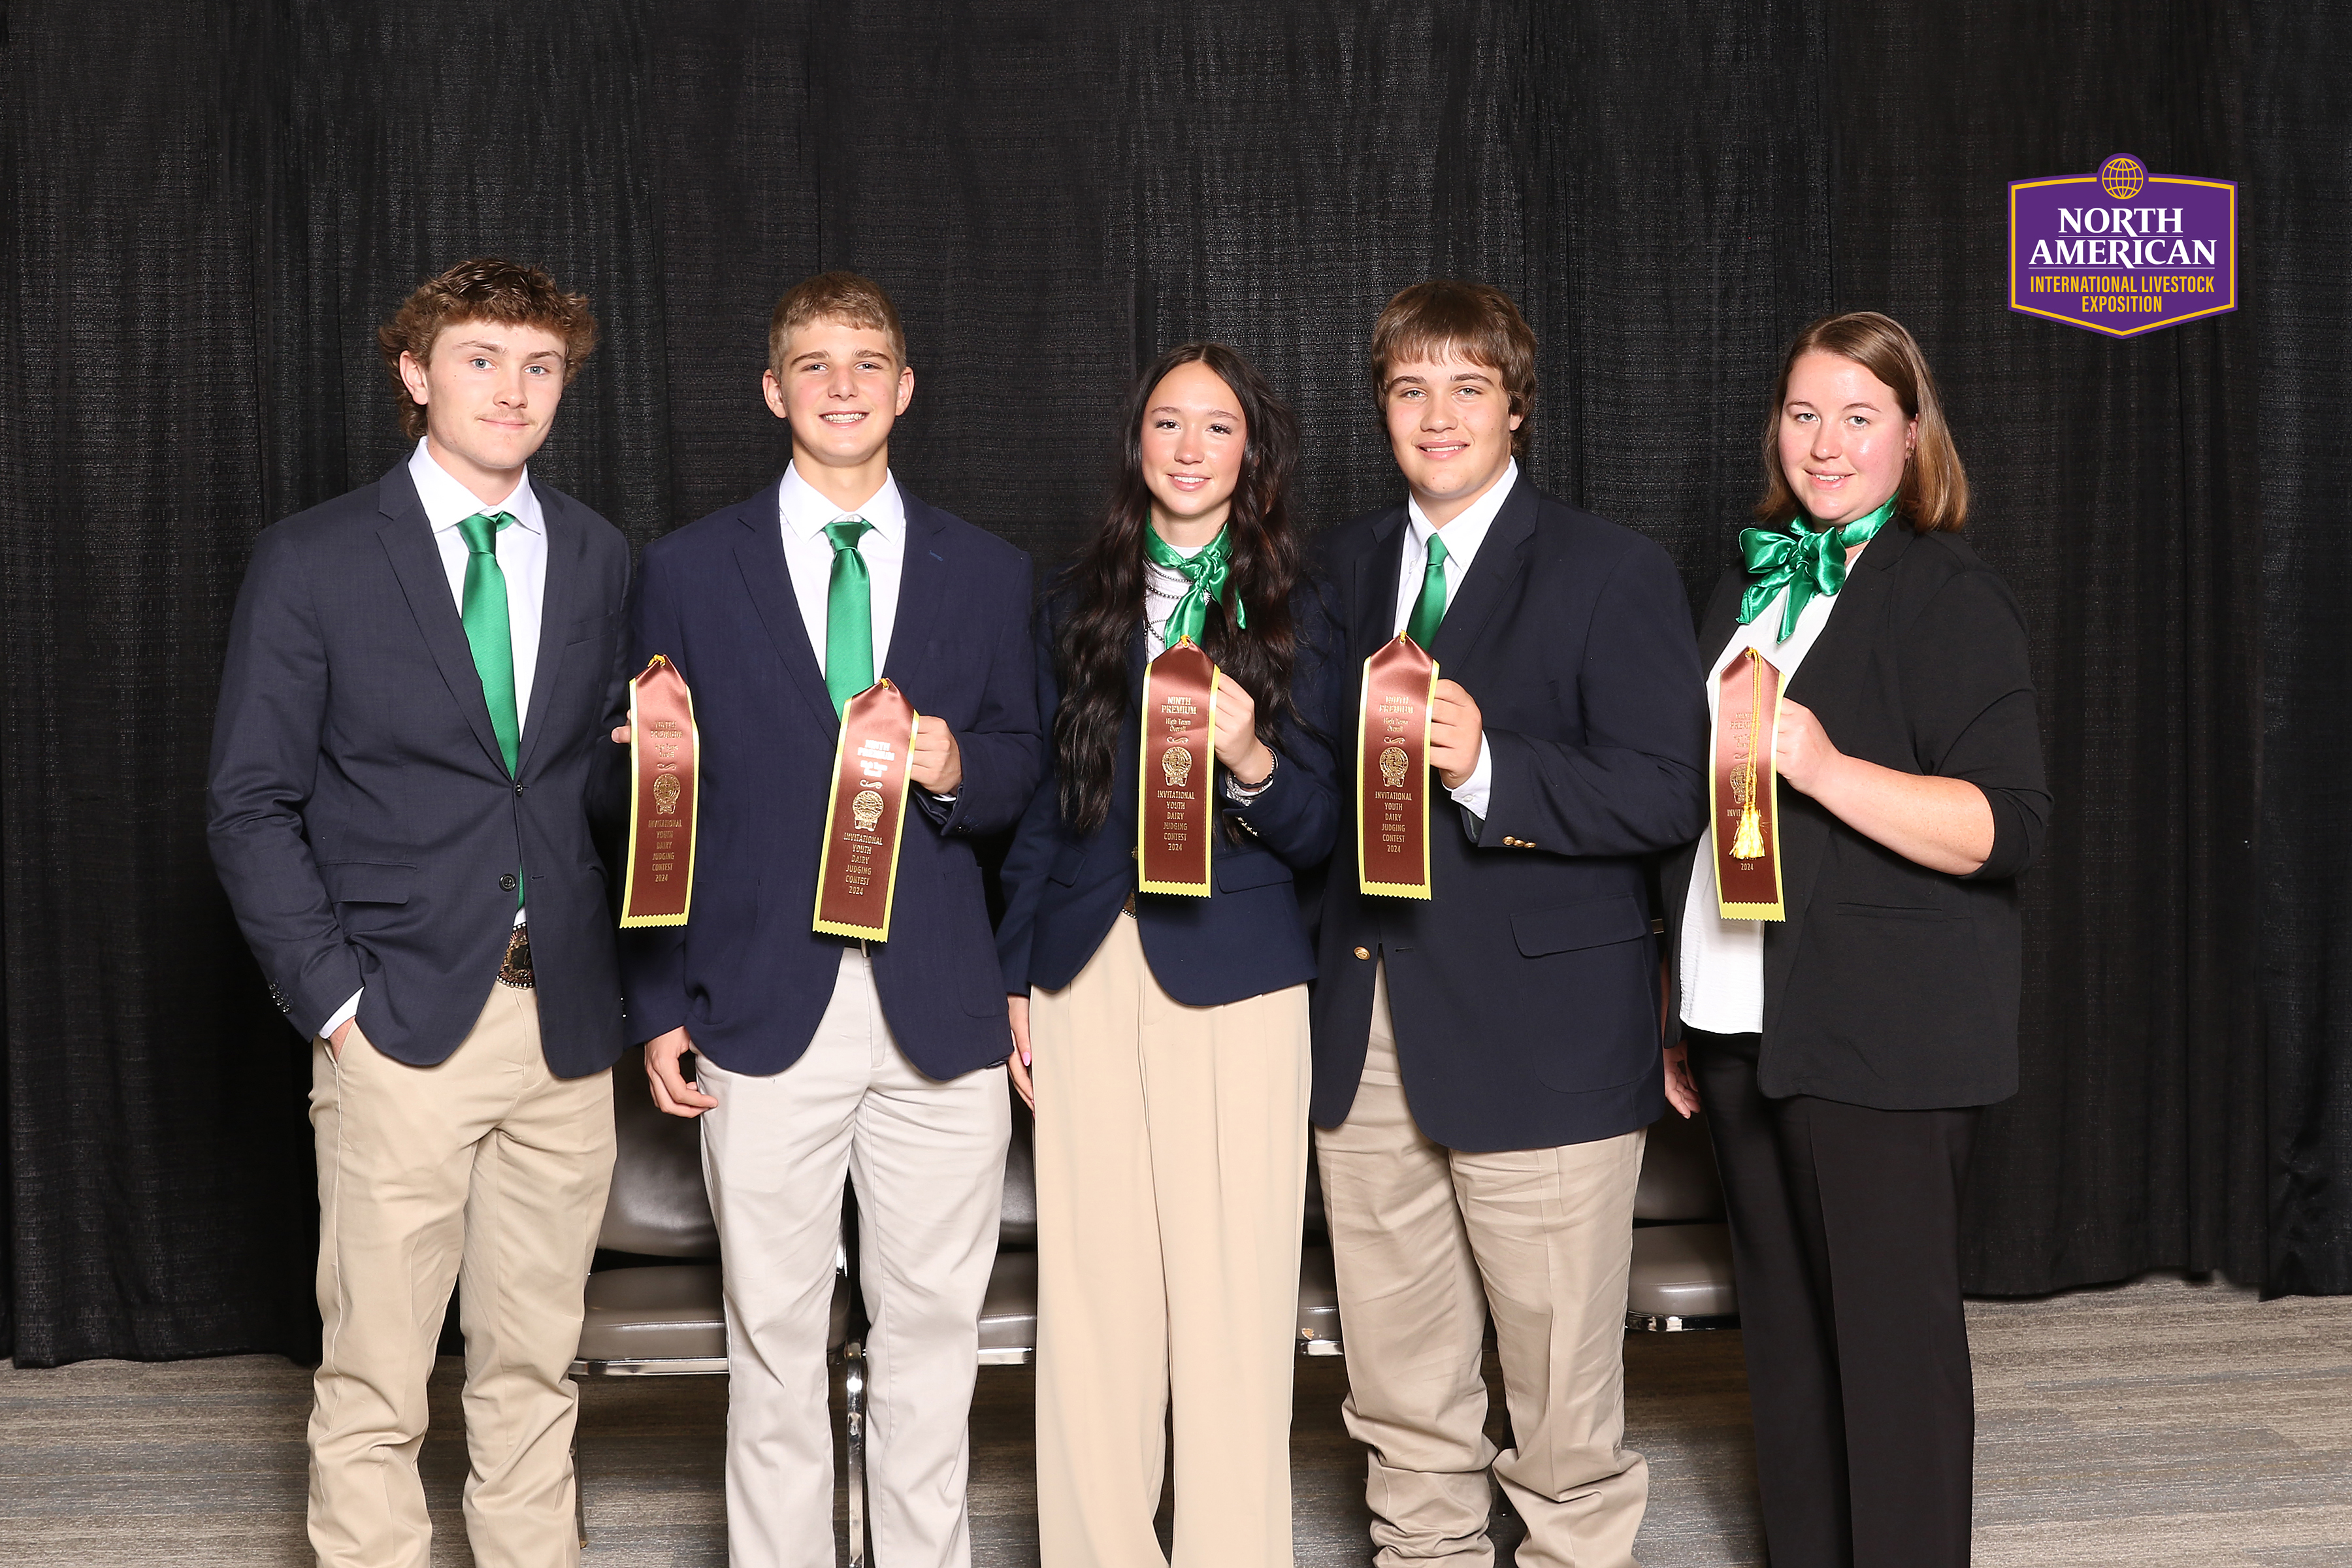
x=1174, y=814
x=664, y=750
x=857, y=873
x=1392, y=771
x=1744, y=791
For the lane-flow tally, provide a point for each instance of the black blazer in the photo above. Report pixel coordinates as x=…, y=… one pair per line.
x=1525, y=994
x=361, y=816
x=1063, y=891
x=1890, y=984
x=745, y=974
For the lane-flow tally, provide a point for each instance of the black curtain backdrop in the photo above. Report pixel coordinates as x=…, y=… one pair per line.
x=208, y=209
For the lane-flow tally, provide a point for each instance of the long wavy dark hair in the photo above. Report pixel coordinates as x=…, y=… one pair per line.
x=1104, y=587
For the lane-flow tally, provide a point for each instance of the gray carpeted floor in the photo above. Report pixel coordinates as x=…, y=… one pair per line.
x=2156, y=1424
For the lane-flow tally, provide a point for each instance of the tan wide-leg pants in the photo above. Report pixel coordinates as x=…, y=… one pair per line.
x=490, y=1171
x=928, y=1158
x=1426, y=1241
x=1171, y=1165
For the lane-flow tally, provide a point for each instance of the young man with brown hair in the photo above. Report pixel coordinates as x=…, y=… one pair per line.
x=820, y=1057
x=419, y=677
x=1486, y=1060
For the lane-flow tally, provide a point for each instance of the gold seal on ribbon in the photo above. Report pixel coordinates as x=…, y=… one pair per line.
x=664, y=752
x=1744, y=791
x=857, y=873
x=1392, y=771
x=1174, y=814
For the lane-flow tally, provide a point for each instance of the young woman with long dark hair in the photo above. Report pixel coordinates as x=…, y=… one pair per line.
x=1167, y=1033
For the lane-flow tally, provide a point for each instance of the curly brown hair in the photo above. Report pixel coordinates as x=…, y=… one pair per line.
x=481, y=289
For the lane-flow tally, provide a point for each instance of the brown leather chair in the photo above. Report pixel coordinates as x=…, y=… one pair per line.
x=668, y=1319
x=1682, y=1275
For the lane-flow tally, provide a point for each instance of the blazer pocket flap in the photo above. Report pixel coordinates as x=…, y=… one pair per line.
x=367, y=881
x=1895, y=912
x=1238, y=872
x=1067, y=862
x=1563, y=928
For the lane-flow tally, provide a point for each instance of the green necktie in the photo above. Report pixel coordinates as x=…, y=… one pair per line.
x=485, y=614
x=848, y=614
x=1423, y=626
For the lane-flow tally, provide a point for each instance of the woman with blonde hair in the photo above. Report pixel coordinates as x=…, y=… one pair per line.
x=1846, y=942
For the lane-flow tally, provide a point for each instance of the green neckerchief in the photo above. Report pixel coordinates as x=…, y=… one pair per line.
x=1801, y=561
x=1205, y=570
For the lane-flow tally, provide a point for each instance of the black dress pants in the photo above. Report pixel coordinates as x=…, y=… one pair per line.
x=1845, y=1232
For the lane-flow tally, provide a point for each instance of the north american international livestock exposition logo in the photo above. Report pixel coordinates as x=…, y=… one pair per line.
x=2123, y=252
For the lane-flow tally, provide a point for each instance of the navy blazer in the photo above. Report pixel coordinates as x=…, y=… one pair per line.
x=746, y=976
x=1525, y=993
x=362, y=816
x=1891, y=985
x=1062, y=891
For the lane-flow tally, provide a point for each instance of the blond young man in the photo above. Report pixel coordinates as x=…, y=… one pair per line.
x=818, y=1058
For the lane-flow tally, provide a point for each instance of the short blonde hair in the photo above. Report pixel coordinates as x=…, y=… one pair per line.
x=1935, y=492
x=845, y=297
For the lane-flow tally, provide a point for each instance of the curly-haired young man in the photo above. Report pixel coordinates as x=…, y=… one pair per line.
x=419, y=679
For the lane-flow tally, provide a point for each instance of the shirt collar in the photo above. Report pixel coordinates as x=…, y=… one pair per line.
x=1468, y=530
x=805, y=512
x=448, y=503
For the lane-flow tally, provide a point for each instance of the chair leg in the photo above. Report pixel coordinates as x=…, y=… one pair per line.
x=853, y=1361
x=579, y=1492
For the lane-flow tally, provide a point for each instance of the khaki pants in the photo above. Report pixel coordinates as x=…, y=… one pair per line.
x=928, y=1158
x=1425, y=1241
x=1171, y=1164
x=490, y=1171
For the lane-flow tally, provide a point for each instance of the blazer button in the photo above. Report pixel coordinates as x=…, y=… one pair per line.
x=1135, y=854
x=1363, y=953
x=518, y=789
x=506, y=883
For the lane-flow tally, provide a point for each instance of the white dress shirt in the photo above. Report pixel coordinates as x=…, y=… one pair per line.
x=1463, y=537
x=808, y=555
x=522, y=557
x=1723, y=960
x=1163, y=587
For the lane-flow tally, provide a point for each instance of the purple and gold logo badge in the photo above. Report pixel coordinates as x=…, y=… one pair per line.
x=2123, y=252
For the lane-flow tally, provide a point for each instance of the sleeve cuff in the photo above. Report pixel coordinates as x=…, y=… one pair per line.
x=341, y=1016
x=1472, y=796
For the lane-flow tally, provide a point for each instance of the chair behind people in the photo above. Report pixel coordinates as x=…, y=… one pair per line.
x=1682, y=1275
x=1008, y=1317
x=669, y=1318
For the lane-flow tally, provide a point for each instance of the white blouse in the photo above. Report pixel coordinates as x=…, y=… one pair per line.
x=1723, y=960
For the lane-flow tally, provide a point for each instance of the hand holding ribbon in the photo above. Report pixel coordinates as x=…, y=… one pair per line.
x=1803, y=562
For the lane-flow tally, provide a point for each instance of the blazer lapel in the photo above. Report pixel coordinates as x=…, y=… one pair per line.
x=407, y=539
x=1826, y=682
x=1720, y=620
x=1374, y=589
x=565, y=540
x=922, y=579
x=760, y=554
x=1493, y=577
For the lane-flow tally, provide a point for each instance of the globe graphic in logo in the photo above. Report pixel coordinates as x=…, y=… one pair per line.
x=2123, y=176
